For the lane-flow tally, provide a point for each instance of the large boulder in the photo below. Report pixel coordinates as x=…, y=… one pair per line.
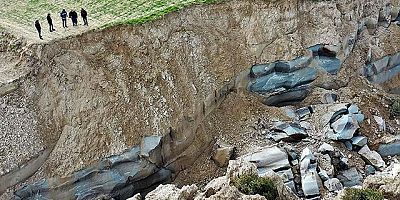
x=222, y=154
x=344, y=127
x=372, y=157
x=269, y=158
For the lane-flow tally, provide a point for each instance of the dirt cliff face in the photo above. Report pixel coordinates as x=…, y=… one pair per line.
x=99, y=93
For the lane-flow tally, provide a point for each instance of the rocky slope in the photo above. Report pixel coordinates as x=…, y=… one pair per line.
x=88, y=97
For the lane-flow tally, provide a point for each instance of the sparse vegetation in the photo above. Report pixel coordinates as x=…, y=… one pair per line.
x=395, y=107
x=362, y=194
x=253, y=184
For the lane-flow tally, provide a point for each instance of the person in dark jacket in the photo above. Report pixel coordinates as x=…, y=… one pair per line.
x=84, y=17
x=64, y=16
x=50, y=21
x=39, y=29
x=74, y=17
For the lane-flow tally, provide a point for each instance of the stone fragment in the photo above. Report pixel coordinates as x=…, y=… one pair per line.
x=359, y=141
x=309, y=184
x=309, y=175
x=348, y=145
x=329, y=98
x=272, y=158
x=391, y=149
x=359, y=117
x=343, y=163
x=330, y=134
x=325, y=148
x=333, y=184
x=372, y=157
x=380, y=122
x=323, y=175
x=350, y=177
x=306, y=125
x=151, y=149
x=288, y=97
x=304, y=112
x=287, y=132
x=345, y=127
x=334, y=112
x=369, y=169
x=294, y=162
x=353, y=109
x=222, y=155
x=275, y=80
x=330, y=64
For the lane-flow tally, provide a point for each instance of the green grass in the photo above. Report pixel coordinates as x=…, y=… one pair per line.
x=108, y=12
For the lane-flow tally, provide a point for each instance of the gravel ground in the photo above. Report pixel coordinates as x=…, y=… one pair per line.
x=19, y=139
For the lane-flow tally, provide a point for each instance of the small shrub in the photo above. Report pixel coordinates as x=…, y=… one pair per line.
x=253, y=184
x=395, y=107
x=362, y=194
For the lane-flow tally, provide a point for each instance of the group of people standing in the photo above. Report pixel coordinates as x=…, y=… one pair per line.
x=72, y=14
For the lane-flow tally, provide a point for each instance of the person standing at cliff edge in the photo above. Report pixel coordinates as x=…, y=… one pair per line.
x=84, y=17
x=50, y=21
x=39, y=29
x=74, y=17
x=63, y=16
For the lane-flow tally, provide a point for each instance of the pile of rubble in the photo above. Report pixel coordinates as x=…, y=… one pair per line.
x=312, y=151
